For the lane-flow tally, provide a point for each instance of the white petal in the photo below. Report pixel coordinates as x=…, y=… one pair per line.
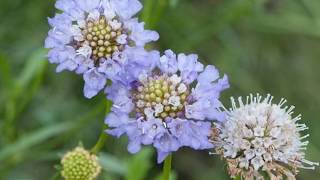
x=182, y=88
x=85, y=51
x=174, y=101
x=94, y=15
x=175, y=79
x=122, y=39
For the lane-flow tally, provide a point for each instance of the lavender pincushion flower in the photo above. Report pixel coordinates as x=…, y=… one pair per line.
x=160, y=108
x=95, y=38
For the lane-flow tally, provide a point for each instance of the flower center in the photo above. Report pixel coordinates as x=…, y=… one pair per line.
x=160, y=97
x=104, y=37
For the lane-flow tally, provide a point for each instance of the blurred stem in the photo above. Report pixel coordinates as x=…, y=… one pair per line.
x=305, y=7
x=102, y=139
x=56, y=176
x=160, y=6
x=152, y=12
x=167, y=167
x=147, y=11
x=103, y=136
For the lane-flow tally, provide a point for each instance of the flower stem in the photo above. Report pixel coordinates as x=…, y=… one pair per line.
x=56, y=176
x=167, y=167
x=103, y=136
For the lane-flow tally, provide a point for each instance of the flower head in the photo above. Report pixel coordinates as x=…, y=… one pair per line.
x=169, y=105
x=80, y=164
x=262, y=136
x=95, y=37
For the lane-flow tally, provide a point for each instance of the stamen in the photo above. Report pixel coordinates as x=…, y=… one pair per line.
x=165, y=96
x=103, y=37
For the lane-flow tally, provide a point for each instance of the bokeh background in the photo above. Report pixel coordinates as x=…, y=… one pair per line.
x=265, y=46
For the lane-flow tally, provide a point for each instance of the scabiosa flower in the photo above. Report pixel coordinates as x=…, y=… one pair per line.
x=259, y=136
x=95, y=37
x=80, y=164
x=169, y=106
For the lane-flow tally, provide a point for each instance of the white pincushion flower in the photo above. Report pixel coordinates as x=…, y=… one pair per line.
x=261, y=136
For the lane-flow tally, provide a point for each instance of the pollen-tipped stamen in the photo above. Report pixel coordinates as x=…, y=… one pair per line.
x=101, y=36
x=161, y=97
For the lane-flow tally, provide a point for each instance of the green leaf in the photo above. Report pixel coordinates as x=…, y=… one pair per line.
x=237, y=178
x=139, y=165
x=5, y=76
x=173, y=176
x=34, y=138
x=112, y=164
x=23, y=90
x=147, y=11
x=173, y=3
x=35, y=64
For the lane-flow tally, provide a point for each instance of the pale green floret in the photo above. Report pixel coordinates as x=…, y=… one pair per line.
x=162, y=96
x=102, y=38
x=80, y=164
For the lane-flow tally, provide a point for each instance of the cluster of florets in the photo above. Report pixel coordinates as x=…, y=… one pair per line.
x=103, y=38
x=97, y=38
x=161, y=96
x=80, y=164
x=170, y=105
x=261, y=136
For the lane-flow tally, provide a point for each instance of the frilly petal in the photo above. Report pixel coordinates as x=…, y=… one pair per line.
x=209, y=75
x=134, y=146
x=125, y=9
x=189, y=67
x=70, y=7
x=66, y=65
x=168, y=62
x=61, y=22
x=57, y=39
x=167, y=143
x=94, y=82
x=88, y=5
x=116, y=119
x=223, y=83
x=117, y=132
x=110, y=68
x=197, y=110
x=138, y=34
x=161, y=156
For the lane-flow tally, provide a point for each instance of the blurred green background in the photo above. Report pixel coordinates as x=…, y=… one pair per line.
x=265, y=46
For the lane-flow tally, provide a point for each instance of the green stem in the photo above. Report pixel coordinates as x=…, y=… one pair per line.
x=101, y=142
x=147, y=12
x=103, y=136
x=167, y=167
x=156, y=15
x=56, y=176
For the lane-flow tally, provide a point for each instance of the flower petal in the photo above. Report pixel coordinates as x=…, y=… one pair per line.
x=126, y=8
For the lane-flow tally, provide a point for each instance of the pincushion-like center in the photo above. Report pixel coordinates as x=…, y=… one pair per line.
x=102, y=37
x=161, y=97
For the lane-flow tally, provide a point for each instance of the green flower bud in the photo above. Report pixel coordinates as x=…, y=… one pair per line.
x=80, y=164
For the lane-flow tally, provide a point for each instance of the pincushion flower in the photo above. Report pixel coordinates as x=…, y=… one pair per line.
x=170, y=105
x=259, y=136
x=95, y=38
